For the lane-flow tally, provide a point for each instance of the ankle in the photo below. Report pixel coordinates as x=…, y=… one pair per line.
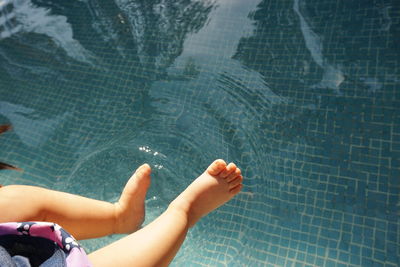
x=123, y=223
x=181, y=207
x=184, y=207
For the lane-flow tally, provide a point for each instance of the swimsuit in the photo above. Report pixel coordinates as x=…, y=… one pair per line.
x=44, y=244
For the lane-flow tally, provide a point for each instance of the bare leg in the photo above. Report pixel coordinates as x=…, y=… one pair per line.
x=157, y=243
x=82, y=217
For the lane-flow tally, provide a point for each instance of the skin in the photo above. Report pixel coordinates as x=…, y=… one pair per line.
x=83, y=217
x=153, y=245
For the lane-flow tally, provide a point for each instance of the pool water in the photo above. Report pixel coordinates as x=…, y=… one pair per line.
x=302, y=95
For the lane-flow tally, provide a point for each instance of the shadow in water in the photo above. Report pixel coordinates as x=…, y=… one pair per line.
x=330, y=142
x=76, y=75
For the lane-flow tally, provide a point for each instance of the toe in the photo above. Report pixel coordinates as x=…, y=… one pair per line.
x=229, y=169
x=143, y=170
x=233, y=175
x=236, y=189
x=236, y=182
x=216, y=167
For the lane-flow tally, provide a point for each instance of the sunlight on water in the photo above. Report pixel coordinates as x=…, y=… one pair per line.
x=302, y=95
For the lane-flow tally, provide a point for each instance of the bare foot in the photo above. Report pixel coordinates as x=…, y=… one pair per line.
x=217, y=185
x=130, y=210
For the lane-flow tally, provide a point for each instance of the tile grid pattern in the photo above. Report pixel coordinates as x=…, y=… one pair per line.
x=322, y=164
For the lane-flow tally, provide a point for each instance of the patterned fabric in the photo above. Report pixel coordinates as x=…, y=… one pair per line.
x=74, y=253
x=7, y=260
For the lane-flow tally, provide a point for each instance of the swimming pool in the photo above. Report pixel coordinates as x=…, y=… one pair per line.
x=300, y=94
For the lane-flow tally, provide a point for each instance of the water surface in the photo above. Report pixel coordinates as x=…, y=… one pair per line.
x=301, y=95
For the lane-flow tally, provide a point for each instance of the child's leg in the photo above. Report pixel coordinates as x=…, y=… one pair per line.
x=82, y=217
x=157, y=243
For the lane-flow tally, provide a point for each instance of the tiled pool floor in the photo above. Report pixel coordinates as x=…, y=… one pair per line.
x=303, y=95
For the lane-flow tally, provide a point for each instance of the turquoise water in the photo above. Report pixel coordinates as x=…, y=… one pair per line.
x=300, y=94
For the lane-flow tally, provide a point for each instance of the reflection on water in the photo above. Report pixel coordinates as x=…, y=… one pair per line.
x=30, y=18
x=322, y=137
x=8, y=23
x=128, y=27
x=149, y=36
x=332, y=77
x=152, y=31
x=25, y=118
x=297, y=93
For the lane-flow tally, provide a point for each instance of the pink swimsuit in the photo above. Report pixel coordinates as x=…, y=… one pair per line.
x=40, y=243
